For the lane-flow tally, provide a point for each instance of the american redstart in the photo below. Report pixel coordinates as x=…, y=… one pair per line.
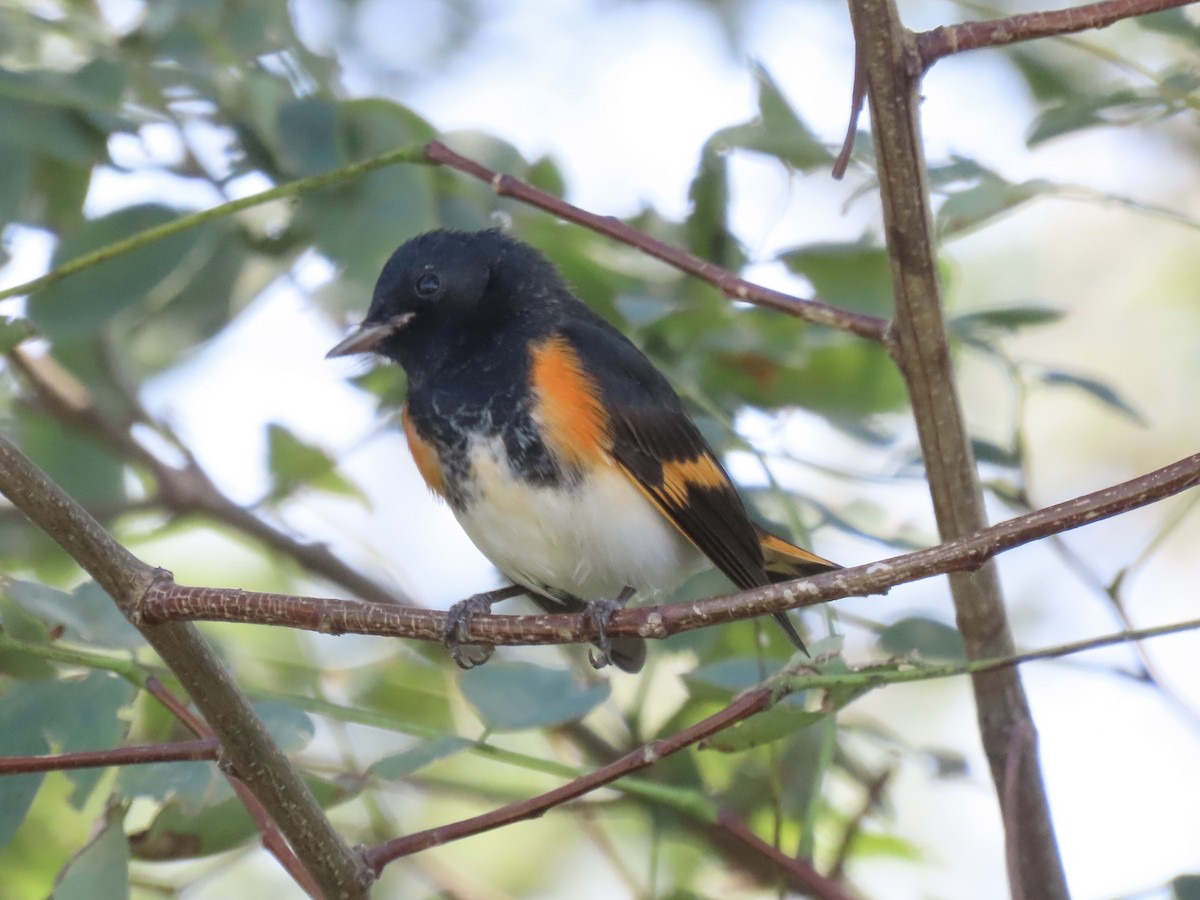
x=564, y=453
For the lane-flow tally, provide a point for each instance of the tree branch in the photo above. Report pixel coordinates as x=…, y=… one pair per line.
x=730, y=284
x=167, y=602
x=247, y=747
x=409, y=153
x=948, y=39
x=893, y=70
x=749, y=703
x=744, y=706
x=272, y=839
x=178, y=751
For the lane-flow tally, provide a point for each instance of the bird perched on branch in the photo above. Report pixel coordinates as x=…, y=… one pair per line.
x=564, y=453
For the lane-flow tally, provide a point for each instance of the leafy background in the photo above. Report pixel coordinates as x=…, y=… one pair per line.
x=1065, y=174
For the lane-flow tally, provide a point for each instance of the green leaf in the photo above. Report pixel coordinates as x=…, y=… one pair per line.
x=510, y=696
x=294, y=463
x=1047, y=78
x=995, y=454
x=408, y=688
x=544, y=175
x=889, y=846
x=780, y=721
x=178, y=832
x=70, y=715
x=17, y=738
x=58, y=134
x=1118, y=107
x=358, y=223
x=778, y=131
x=101, y=869
x=87, y=615
x=729, y=676
x=192, y=785
x=707, y=229
x=149, y=276
x=855, y=275
x=928, y=637
x=982, y=323
x=1174, y=22
x=16, y=177
x=967, y=209
x=291, y=728
x=307, y=137
x=1093, y=388
x=399, y=765
x=1185, y=887
x=90, y=474
x=849, y=379
x=203, y=306
x=14, y=330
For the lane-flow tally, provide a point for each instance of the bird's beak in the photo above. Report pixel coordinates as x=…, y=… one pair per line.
x=366, y=338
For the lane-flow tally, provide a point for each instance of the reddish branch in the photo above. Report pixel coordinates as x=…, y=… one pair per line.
x=244, y=740
x=166, y=601
x=272, y=839
x=137, y=755
x=727, y=282
x=797, y=874
x=947, y=39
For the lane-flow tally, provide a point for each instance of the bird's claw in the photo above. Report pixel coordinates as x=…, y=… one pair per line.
x=600, y=612
x=458, y=618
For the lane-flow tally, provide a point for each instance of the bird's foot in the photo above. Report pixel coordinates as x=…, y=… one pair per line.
x=600, y=612
x=458, y=619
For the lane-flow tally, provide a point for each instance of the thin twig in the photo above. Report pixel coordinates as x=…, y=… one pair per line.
x=798, y=873
x=410, y=154
x=858, y=95
x=139, y=754
x=743, y=707
x=948, y=39
x=727, y=282
x=272, y=840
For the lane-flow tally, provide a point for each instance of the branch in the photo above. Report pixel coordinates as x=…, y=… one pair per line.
x=272, y=839
x=410, y=153
x=727, y=282
x=178, y=751
x=744, y=706
x=947, y=39
x=167, y=602
x=749, y=703
x=247, y=746
x=893, y=72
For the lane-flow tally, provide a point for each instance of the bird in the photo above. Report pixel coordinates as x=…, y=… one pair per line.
x=564, y=453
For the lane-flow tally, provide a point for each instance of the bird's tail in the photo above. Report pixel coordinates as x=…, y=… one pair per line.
x=784, y=561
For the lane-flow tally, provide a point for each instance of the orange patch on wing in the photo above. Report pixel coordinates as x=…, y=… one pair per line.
x=425, y=456
x=680, y=474
x=567, y=404
x=784, y=554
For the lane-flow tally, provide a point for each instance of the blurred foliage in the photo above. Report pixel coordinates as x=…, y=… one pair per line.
x=79, y=100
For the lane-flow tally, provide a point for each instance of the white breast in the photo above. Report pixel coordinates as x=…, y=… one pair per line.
x=590, y=540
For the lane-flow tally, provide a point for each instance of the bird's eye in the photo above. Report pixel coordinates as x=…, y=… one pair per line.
x=428, y=284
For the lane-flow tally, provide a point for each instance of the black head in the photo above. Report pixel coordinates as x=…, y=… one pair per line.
x=444, y=289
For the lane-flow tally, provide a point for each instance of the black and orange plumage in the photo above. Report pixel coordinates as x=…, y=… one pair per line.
x=565, y=454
